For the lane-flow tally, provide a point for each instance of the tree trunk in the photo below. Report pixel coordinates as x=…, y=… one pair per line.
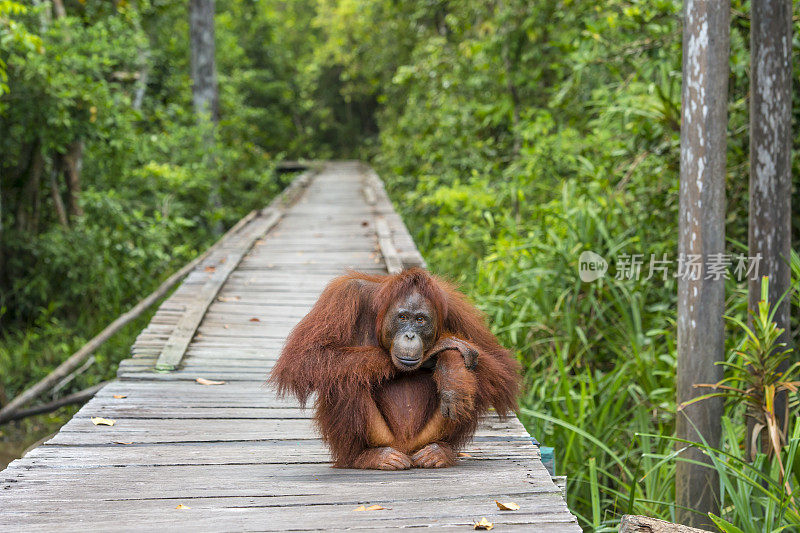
x=58, y=7
x=73, y=161
x=2, y=257
x=141, y=83
x=770, y=232
x=45, y=16
x=205, y=94
x=36, y=191
x=644, y=524
x=701, y=301
x=27, y=207
x=204, y=70
x=58, y=204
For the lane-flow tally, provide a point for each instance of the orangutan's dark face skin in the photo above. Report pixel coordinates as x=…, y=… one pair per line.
x=409, y=331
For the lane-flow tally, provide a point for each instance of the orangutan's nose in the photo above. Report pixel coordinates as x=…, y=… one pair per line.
x=410, y=336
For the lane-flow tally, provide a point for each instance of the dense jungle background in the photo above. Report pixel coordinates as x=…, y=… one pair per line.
x=512, y=134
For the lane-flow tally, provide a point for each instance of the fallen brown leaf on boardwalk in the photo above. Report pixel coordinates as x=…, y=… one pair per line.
x=229, y=298
x=120, y=442
x=204, y=381
x=120, y=396
x=483, y=524
x=370, y=508
x=210, y=269
x=99, y=421
x=254, y=319
x=464, y=454
x=181, y=506
x=507, y=506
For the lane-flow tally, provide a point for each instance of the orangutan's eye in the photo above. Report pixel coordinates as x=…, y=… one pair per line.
x=403, y=316
x=420, y=319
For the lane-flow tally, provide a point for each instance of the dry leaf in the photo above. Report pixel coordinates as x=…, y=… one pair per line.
x=210, y=269
x=464, y=454
x=181, y=506
x=507, y=506
x=98, y=421
x=120, y=396
x=227, y=326
x=370, y=508
x=120, y=442
x=254, y=319
x=483, y=524
x=204, y=381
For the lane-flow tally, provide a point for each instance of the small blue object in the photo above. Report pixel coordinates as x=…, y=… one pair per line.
x=548, y=459
x=548, y=456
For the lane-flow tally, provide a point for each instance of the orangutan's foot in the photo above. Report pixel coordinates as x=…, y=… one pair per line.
x=386, y=458
x=434, y=455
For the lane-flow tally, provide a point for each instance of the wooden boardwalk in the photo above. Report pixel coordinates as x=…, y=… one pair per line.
x=235, y=455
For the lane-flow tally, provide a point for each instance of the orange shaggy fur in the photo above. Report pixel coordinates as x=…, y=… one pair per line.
x=335, y=353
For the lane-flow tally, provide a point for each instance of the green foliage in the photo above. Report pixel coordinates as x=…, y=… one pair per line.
x=149, y=172
x=757, y=491
x=761, y=370
x=13, y=34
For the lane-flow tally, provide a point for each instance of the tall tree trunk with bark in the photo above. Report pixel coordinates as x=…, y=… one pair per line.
x=2, y=248
x=770, y=232
x=55, y=194
x=204, y=70
x=72, y=160
x=58, y=7
x=701, y=301
x=73, y=163
x=204, y=84
x=36, y=191
x=27, y=215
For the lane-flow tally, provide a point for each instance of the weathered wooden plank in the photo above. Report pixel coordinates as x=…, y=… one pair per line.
x=211, y=453
x=81, y=431
x=643, y=524
x=191, y=481
x=240, y=515
x=183, y=332
x=393, y=262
